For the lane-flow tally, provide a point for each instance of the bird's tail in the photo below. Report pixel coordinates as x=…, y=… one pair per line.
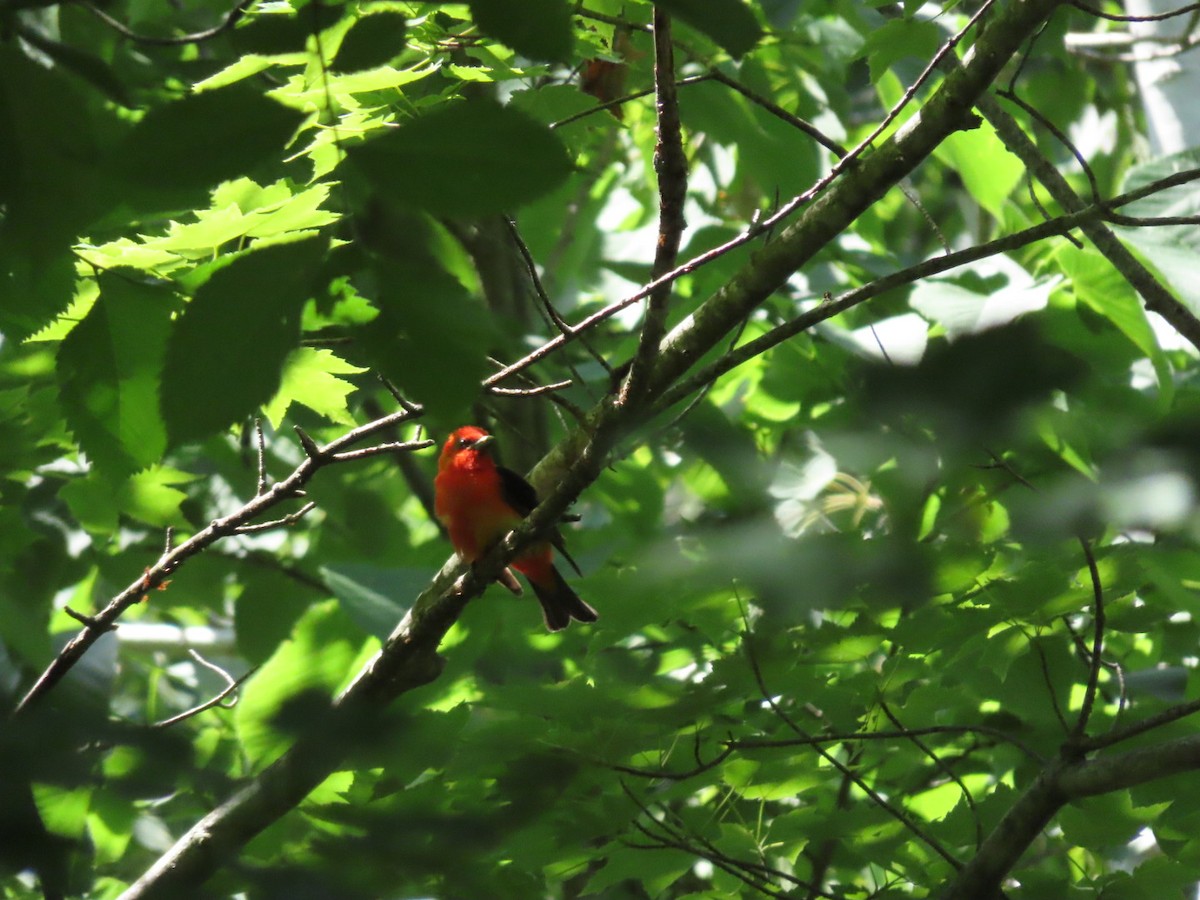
x=560, y=604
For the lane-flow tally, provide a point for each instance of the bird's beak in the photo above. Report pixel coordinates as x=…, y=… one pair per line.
x=483, y=443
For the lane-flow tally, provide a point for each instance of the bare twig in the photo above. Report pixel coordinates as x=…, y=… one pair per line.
x=231, y=19
x=262, y=458
x=283, y=521
x=156, y=575
x=891, y=809
x=539, y=289
x=1154, y=294
x=536, y=391
x=1116, y=17
x=389, y=447
x=836, y=305
x=670, y=165
x=1089, y=695
x=779, y=112
x=231, y=685
x=941, y=767
x=1158, y=720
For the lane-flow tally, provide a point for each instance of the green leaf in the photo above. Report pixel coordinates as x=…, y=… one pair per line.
x=190, y=145
x=899, y=39
x=987, y=169
x=226, y=351
x=426, y=319
x=1103, y=289
x=108, y=374
x=317, y=658
x=310, y=379
x=962, y=311
x=464, y=159
x=728, y=22
x=375, y=597
x=1171, y=249
x=374, y=39
x=49, y=188
x=538, y=29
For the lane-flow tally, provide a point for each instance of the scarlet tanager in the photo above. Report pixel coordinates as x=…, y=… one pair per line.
x=479, y=502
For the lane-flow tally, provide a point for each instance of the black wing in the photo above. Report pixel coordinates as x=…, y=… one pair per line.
x=516, y=491
x=520, y=495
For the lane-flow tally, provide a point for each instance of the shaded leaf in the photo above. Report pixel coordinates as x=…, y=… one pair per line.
x=539, y=29
x=192, y=144
x=464, y=159
x=728, y=22
x=226, y=351
x=108, y=373
x=374, y=39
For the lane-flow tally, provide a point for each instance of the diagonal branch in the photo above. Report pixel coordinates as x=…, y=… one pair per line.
x=173, y=557
x=1156, y=297
x=948, y=110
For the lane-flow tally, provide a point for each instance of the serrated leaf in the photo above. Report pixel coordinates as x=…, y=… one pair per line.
x=374, y=39
x=194, y=143
x=538, y=29
x=464, y=159
x=108, y=374
x=226, y=352
x=728, y=22
x=430, y=338
x=310, y=379
x=48, y=187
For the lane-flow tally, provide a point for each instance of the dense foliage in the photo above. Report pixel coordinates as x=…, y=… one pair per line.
x=886, y=495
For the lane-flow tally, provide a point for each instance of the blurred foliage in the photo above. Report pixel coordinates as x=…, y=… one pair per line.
x=873, y=526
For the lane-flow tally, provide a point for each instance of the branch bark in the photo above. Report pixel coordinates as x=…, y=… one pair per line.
x=234, y=523
x=948, y=110
x=1056, y=785
x=1155, y=295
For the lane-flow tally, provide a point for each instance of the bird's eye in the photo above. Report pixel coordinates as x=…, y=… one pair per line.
x=462, y=443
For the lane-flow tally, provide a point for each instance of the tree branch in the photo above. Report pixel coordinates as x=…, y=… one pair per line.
x=1156, y=297
x=948, y=110
x=670, y=165
x=173, y=557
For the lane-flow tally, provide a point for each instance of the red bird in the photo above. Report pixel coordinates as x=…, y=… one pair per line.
x=479, y=502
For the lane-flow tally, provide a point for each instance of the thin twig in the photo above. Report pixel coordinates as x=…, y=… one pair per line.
x=1115, y=17
x=537, y=391
x=156, y=575
x=780, y=113
x=231, y=685
x=262, y=457
x=1166, y=717
x=389, y=447
x=836, y=305
x=670, y=166
x=941, y=767
x=540, y=290
x=1060, y=136
x=1098, y=619
x=1049, y=682
x=290, y=519
x=231, y=19
x=895, y=812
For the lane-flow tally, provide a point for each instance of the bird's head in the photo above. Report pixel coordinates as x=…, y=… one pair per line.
x=467, y=445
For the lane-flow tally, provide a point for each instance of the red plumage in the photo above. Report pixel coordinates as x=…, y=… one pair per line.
x=479, y=502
